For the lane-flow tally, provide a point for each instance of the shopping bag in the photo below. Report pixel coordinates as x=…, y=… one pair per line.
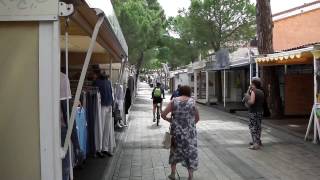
x=166, y=140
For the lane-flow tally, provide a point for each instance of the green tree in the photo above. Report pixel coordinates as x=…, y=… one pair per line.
x=185, y=46
x=143, y=23
x=222, y=24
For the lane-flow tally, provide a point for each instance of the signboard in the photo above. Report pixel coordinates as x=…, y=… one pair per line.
x=222, y=59
x=21, y=10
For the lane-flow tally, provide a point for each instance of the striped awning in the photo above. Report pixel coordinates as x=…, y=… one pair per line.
x=301, y=56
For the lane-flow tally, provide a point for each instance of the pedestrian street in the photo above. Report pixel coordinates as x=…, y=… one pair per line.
x=223, y=152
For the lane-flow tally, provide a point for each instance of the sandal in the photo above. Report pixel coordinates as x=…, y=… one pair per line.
x=172, y=177
x=254, y=147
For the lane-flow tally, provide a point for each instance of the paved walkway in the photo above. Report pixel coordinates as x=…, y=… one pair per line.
x=222, y=149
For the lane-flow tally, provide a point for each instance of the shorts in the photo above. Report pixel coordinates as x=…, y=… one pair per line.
x=157, y=100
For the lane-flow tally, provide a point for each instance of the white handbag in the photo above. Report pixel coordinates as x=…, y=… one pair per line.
x=167, y=140
x=167, y=137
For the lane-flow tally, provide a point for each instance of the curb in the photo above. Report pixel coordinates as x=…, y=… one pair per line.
x=111, y=166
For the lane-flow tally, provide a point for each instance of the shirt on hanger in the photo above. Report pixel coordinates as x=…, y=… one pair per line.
x=65, y=91
x=105, y=89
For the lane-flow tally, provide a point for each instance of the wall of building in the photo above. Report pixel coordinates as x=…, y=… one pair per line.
x=297, y=30
x=19, y=107
x=298, y=96
x=182, y=79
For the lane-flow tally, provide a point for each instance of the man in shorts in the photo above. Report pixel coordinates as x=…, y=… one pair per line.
x=157, y=96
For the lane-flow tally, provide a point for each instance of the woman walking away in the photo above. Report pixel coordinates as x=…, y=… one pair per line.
x=255, y=100
x=185, y=115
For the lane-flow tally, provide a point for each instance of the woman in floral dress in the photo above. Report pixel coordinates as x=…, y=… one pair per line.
x=183, y=130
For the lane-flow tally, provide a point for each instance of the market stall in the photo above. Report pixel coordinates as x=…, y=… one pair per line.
x=38, y=39
x=298, y=96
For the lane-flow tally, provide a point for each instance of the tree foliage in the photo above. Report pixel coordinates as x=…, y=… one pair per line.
x=143, y=23
x=207, y=25
x=222, y=23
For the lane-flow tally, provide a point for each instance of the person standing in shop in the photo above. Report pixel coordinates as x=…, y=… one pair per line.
x=108, y=138
x=176, y=93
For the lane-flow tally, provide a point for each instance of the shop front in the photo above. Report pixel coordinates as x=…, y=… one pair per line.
x=200, y=81
x=298, y=76
x=50, y=48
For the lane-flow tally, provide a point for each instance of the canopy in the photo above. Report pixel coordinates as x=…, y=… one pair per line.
x=300, y=56
x=80, y=27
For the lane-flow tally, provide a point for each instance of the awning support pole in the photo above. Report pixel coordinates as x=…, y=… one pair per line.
x=207, y=87
x=67, y=75
x=257, y=69
x=195, y=85
x=313, y=117
x=224, y=88
x=250, y=72
x=80, y=84
x=110, y=70
x=250, y=64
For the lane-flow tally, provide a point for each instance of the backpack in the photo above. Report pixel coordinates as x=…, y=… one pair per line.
x=157, y=92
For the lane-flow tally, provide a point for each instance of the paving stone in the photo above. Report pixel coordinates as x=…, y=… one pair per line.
x=222, y=145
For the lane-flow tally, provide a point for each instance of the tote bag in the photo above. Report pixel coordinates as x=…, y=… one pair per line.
x=167, y=140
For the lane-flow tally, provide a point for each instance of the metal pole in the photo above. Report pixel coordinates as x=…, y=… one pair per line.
x=250, y=72
x=67, y=75
x=257, y=69
x=313, y=116
x=315, y=68
x=207, y=86
x=224, y=88
x=250, y=64
x=195, y=85
x=310, y=123
x=80, y=84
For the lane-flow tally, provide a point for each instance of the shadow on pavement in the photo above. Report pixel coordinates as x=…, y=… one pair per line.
x=154, y=126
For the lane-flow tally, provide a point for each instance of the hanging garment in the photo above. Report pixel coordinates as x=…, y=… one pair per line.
x=91, y=109
x=65, y=91
x=109, y=142
x=76, y=152
x=105, y=89
x=98, y=124
x=119, y=97
x=66, y=160
x=82, y=130
x=127, y=100
x=131, y=85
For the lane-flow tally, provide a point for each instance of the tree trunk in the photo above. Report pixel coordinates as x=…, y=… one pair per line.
x=264, y=27
x=265, y=46
x=139, y=63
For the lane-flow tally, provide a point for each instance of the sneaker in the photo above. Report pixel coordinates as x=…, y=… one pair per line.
x=107, y=153
x=118, y=125
x=100, y=155
x=154, y=119
x=172, y=177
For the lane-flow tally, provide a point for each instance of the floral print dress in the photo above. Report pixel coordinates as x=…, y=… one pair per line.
x=184, y=134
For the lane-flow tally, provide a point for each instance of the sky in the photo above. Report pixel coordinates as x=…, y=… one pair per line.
x=171, y=7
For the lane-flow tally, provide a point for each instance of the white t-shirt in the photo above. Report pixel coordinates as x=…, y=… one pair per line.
x=65, y=91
